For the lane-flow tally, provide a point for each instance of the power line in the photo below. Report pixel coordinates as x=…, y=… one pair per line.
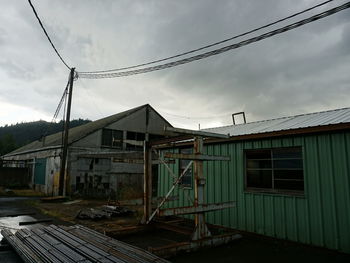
x=213, y=44
x=60, y=103
x=220, y=50
x=47, y=35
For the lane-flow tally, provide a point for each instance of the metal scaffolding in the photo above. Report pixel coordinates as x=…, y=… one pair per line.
x=201, y=235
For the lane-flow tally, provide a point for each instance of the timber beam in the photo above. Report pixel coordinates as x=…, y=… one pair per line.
x=137, y=161
x=196, y=133
x=131, y=155
x=196, y=157
x=194, y=210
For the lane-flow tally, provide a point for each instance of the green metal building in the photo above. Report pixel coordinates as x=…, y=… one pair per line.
x=290, y=178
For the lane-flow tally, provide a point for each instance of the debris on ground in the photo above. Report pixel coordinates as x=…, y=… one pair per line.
x=117, y=210
x=105, y=212
x=94, y=214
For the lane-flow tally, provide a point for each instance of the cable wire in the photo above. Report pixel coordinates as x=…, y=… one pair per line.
x=220, y=50
x=60, y=103
x=47, y=35
x=213, y=44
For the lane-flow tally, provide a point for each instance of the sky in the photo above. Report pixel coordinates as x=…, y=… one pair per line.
x=301, y=71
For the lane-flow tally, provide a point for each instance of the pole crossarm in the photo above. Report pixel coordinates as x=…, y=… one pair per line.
x=196, y=157
x=193, y=209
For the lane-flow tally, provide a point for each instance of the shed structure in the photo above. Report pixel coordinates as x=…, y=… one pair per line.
x=91, y=168
x=289, y=177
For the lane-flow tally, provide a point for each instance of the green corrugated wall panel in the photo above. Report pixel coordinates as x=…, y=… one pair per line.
x=321, y=217
x=40, y=171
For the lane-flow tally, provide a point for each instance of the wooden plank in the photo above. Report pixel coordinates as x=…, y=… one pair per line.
x=196, y=157
x=196, y=132
x=195, y=209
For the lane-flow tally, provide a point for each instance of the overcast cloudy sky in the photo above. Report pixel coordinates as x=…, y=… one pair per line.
x=301, y=71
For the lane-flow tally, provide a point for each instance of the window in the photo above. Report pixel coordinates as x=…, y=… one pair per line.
x=275, y=170
x=112, y=138
x=134, y=136
x=186, y=180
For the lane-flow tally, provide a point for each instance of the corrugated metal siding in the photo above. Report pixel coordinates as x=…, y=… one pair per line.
x=321, y=217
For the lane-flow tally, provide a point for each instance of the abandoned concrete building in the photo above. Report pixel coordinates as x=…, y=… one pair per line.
x=90, y=171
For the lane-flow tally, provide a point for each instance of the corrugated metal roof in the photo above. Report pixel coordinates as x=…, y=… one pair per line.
x=286, y=123
x=77, y=133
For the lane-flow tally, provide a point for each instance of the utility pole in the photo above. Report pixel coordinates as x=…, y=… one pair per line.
x=66, y=132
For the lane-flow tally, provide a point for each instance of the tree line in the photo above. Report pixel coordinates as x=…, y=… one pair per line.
x=19, y=134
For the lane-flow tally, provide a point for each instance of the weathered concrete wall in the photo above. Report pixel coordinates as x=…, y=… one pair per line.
x=52, y=168
x=101, y=177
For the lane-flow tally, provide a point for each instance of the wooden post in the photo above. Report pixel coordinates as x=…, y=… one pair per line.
x=66, y=133
x=147, y=183
x=201, y=229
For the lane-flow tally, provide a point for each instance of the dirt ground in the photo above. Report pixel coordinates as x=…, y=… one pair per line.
x=68, y=213
x=251, y=248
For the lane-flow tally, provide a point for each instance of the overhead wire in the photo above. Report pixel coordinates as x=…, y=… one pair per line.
x=60, y=103
x=47, y=35
x=219, y=50
x=64, y=118
x=58, y=109
x=215, y=43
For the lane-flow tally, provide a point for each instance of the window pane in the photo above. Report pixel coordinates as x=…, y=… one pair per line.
x=118, y=139
x=140, y=136
x=259, y=178
x=107, y=137
x=289, y=174
x=258, y=154
x=131, y=135
x=289, y=153
x=288, y=163
x=258, y=164
x=187, y=178
x=289, y=185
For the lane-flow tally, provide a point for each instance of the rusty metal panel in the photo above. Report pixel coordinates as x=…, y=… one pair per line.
x=320, y=217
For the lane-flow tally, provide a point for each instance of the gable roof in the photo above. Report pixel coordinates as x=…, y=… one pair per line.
x=317, y=119
x=79, y=132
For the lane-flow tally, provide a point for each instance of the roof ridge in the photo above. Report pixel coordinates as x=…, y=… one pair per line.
x=279, y=118
x=87, y=125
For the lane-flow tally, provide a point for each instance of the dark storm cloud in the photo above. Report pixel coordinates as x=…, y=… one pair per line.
x=299, y=71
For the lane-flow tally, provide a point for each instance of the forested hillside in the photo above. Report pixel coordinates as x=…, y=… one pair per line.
x=17, y=135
